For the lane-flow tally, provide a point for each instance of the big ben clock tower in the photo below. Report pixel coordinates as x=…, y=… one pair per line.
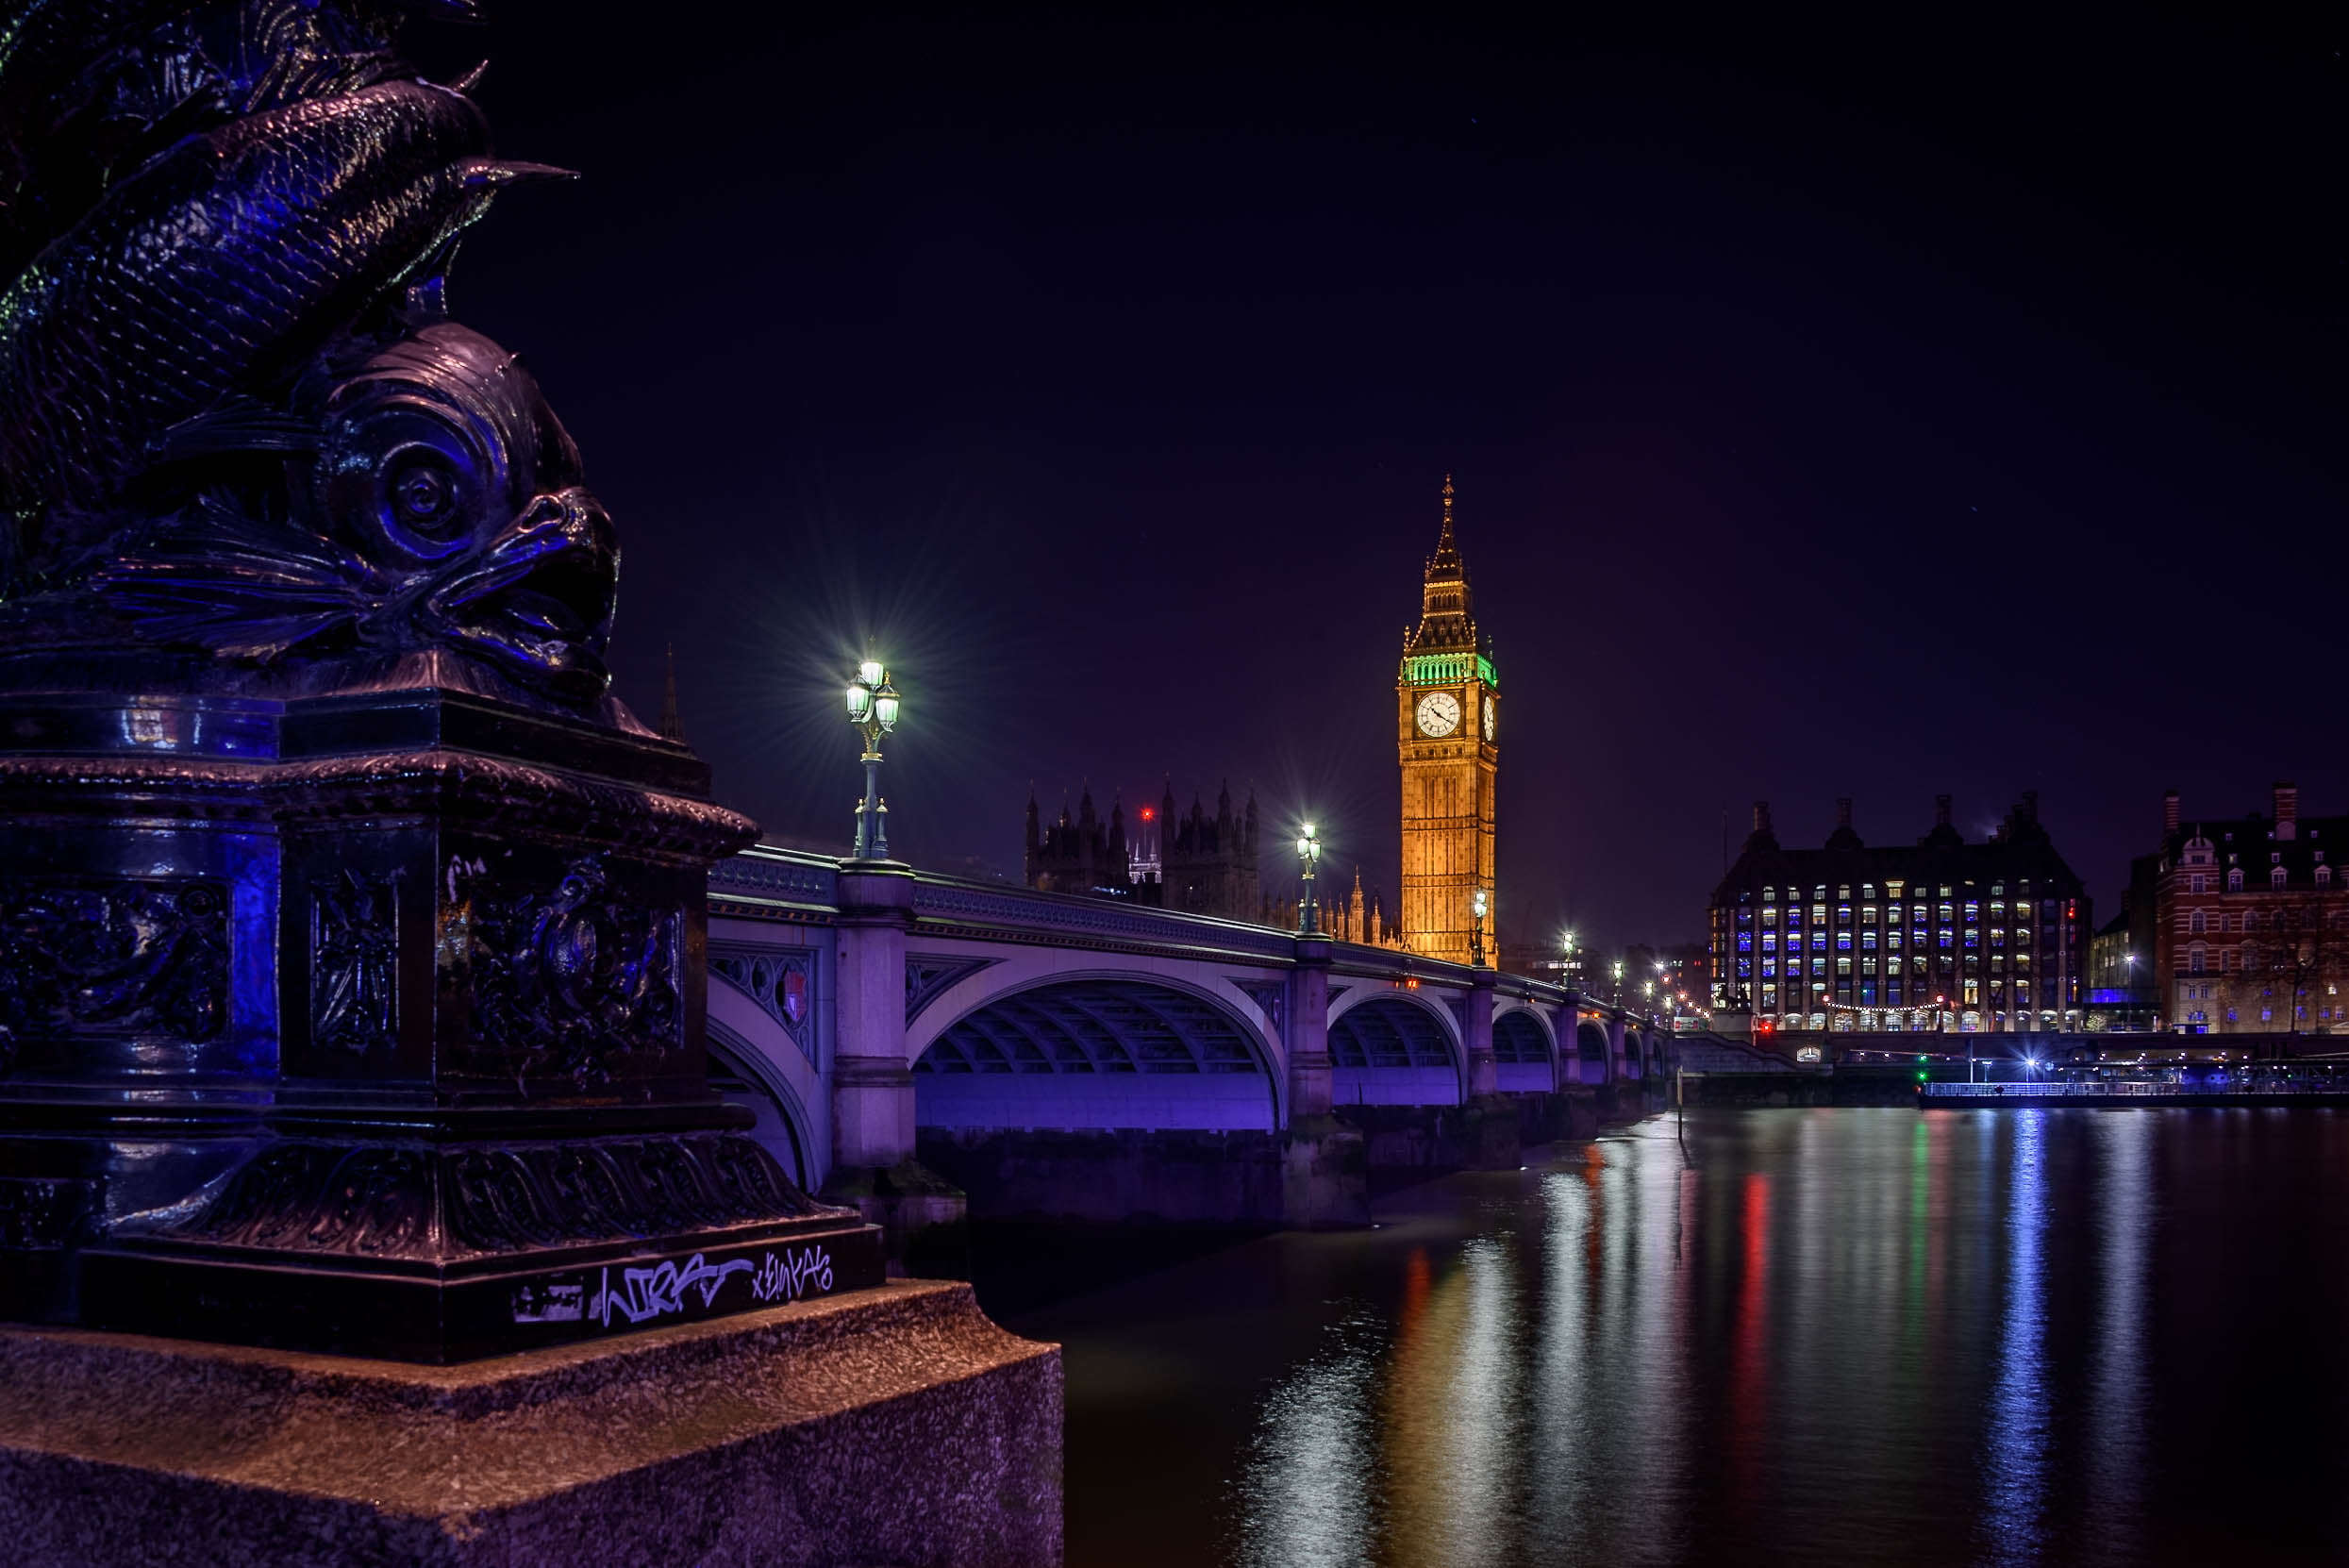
x=1447, y=706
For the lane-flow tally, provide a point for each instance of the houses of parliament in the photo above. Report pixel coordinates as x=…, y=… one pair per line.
x=1447, y=725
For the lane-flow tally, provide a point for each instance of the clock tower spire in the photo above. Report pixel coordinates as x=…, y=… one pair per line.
x=1449, y=708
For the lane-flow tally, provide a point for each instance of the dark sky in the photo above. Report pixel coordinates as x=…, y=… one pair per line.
x=1836, y=410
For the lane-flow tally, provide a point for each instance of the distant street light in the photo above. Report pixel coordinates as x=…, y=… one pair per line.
x=1308, y=857
x=873, y=709
x=1477, y=904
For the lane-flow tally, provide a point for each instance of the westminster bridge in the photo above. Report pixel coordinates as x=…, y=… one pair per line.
x=1085, y=1057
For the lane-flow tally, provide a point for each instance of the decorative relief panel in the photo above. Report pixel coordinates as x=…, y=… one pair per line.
x=102, y=956
x=355, y=963
x=1270, y=997
x=571, y=980
x=928, y=978
x=781, y=983
x=370, y=1200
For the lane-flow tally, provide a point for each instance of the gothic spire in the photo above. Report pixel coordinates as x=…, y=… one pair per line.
x=671, y=722
x=1445, y=622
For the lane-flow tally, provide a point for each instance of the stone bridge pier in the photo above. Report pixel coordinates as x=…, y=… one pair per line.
x=925, y=1046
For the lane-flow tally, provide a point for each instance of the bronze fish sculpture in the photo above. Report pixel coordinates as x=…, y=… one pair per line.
x=235, y=422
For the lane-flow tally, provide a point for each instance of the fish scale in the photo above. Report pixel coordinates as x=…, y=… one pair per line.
x=362, y=187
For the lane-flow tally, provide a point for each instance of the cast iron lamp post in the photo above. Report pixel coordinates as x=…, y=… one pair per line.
x=1478, y=903
x=873, y=707
x=1308, y=857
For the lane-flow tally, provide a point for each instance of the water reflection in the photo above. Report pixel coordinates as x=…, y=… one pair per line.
x=1811, y=1336
x=2017, y=1410
x=2119, y=1405
x=1308, y=1467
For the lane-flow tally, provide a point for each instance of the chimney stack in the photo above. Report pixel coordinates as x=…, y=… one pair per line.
x=1843, y=812
x=2287, y=811
x=2030, y=806
x=1941, y=810
x=2169, y=812
x=1762, y=816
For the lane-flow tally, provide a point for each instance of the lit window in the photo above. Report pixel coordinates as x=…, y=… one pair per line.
x=1770, y=942
x=2275, y=878
x=1973, y=911
x=1770, y=895
x=1974, y=936
x=1843, y=942
x=1868, y=937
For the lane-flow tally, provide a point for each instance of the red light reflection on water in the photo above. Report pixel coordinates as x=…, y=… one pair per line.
x=1418, y=1279
x=1748, y=1426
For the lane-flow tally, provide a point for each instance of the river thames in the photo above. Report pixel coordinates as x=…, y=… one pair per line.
x=1755, y=1335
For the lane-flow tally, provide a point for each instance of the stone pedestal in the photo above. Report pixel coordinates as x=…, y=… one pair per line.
x=891, y=1426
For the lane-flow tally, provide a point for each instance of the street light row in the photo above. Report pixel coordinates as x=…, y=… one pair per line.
x=873, y=709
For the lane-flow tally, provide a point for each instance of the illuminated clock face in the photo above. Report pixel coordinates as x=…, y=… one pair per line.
x=1491, y=713
x=1438, y=713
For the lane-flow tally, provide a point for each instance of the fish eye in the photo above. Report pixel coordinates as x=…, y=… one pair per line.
x=424, y=494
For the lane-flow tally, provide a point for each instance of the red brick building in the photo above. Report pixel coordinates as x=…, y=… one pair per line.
x=2250, y=920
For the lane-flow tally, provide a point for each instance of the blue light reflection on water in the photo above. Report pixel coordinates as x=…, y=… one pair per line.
x=2017, y=1424
x=1806, y=1336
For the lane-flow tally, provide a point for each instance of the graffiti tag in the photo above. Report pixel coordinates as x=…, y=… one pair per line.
x=787, y=1278
x=660, y=1290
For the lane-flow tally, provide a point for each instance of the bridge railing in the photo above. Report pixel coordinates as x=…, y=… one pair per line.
x=808, y=883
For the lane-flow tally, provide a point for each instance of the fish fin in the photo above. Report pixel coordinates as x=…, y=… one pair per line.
x=246, y=589
x=495, y=173
x=239, y=424
x=426, y=299
x=467, y=81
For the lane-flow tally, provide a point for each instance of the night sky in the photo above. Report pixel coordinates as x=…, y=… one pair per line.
x=1835, y=411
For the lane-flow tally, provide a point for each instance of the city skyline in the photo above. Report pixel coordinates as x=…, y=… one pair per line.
x=1819, y=431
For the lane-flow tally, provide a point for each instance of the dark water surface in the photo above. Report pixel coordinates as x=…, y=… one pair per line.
x=1799, y=1335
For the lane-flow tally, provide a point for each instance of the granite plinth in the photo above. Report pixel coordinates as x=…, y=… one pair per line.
x=894, y=1426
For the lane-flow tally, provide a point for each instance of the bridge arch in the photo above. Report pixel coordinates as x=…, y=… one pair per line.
x=1524, y=1051
x=1099, y=1050
x=773, y=1080
x=1634, y=1049
x=1590, y=1050
x=1395, y=1046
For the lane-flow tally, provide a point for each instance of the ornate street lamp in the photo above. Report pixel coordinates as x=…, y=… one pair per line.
x=873, y=709
x=1477, y=904
x=1308, y=857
